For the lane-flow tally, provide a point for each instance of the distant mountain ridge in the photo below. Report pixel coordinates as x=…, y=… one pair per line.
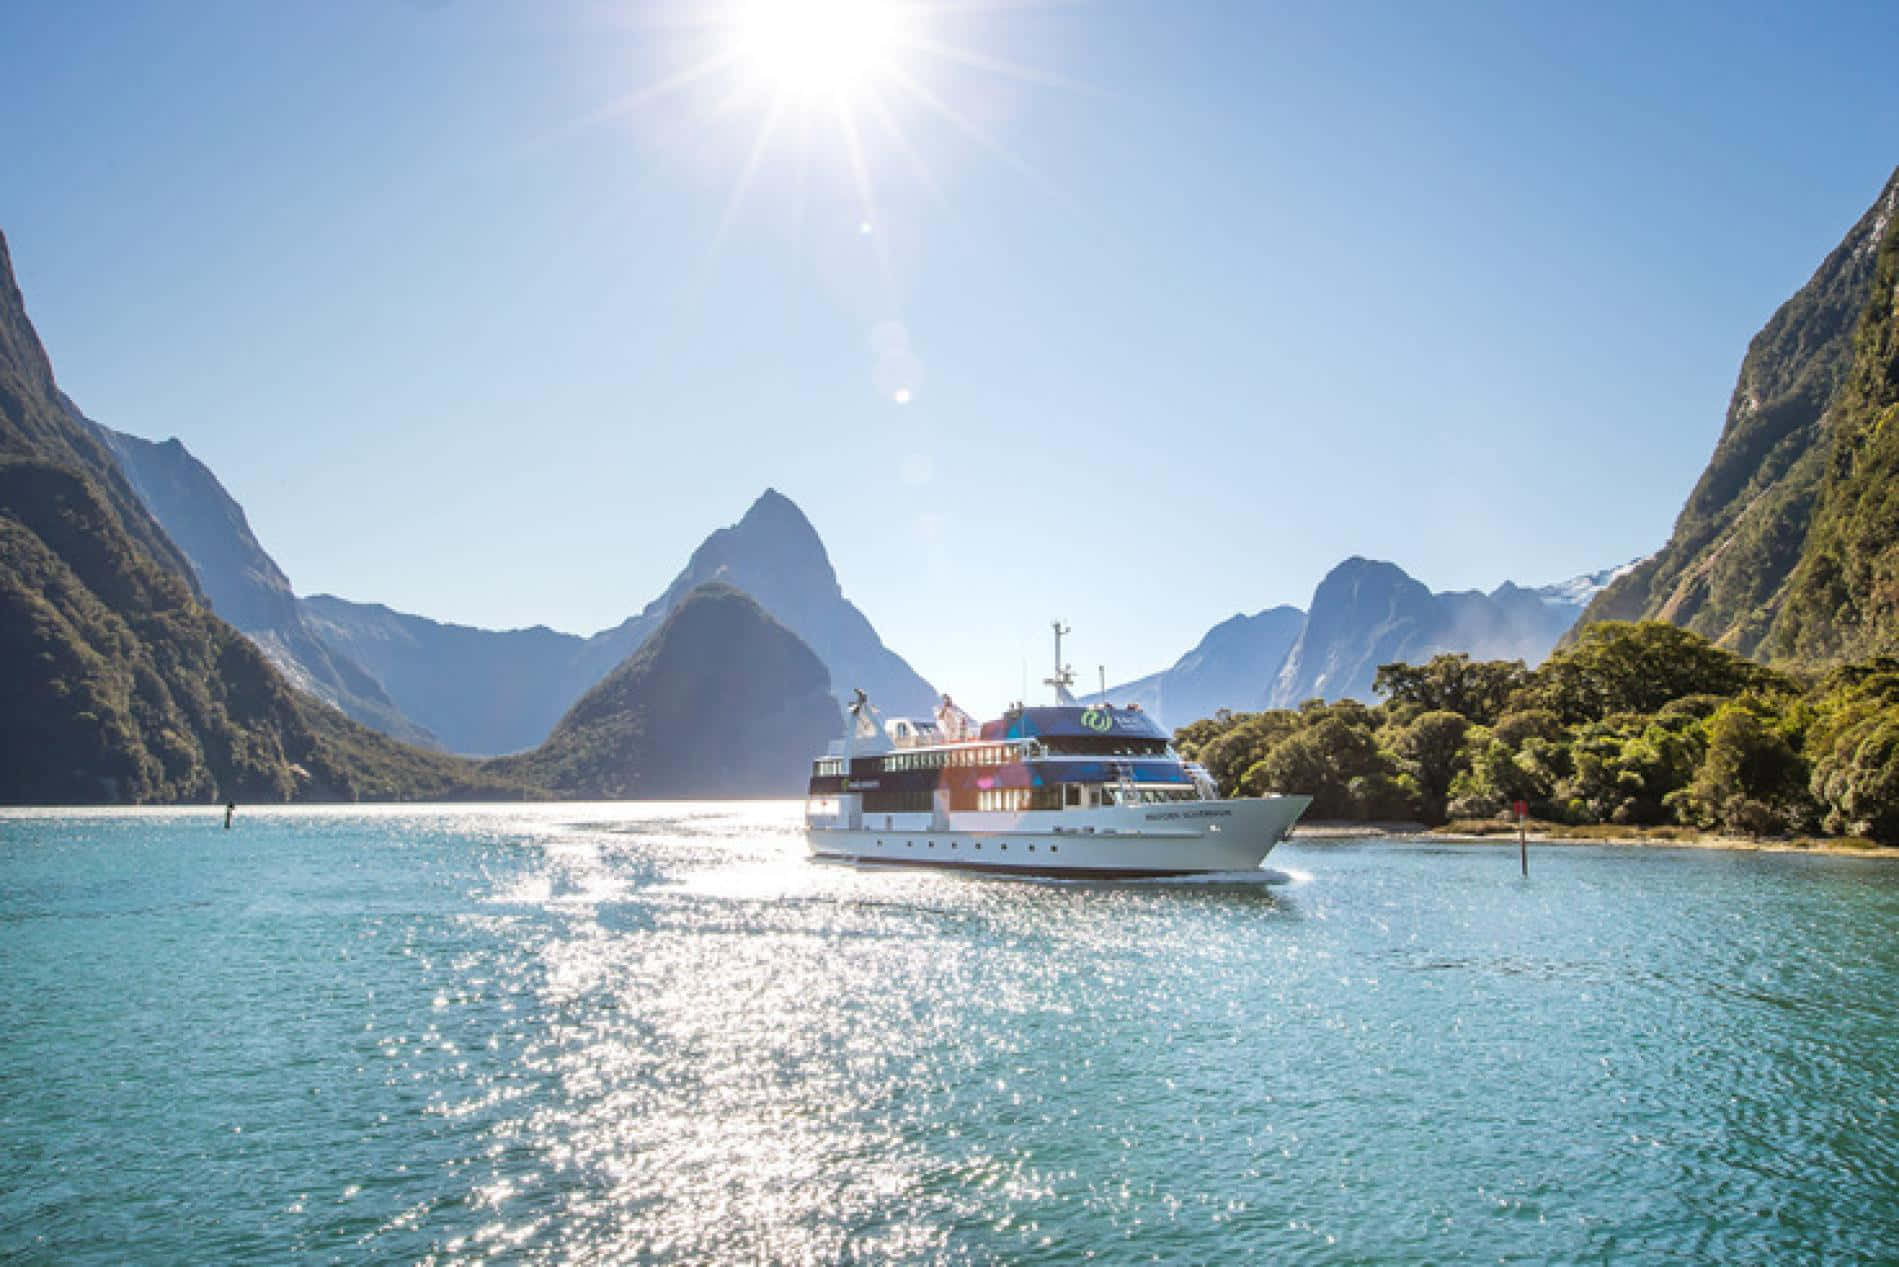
x=496, y=692
x=1579, y=591
x=1803, y=451
x=1364, y=613
x=1231, y=667
x=482, y=692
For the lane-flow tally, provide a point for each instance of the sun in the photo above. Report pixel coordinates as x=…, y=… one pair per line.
x=855, y=84
x=812, y=50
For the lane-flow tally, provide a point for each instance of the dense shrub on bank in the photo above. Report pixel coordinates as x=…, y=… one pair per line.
x=1638, y=724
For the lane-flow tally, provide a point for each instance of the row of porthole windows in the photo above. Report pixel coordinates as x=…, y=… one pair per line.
x=977, y=846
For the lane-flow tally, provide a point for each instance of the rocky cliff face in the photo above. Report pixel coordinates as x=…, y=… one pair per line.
x=721, y=700
x=37, y=422
x=116, y=683
x=1842, y=600
x=485, y=691
x=242, y=582
x=1728, y=568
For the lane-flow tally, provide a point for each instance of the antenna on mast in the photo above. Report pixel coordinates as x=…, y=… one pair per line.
x=1064, y=675
x=1103, y=669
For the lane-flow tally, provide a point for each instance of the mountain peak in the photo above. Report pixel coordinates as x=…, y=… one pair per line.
x=774, y=509
x=772, y=547
x=1358, y=573
x=662, y=722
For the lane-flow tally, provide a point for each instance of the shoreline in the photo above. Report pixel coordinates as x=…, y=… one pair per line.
x=1330, y=832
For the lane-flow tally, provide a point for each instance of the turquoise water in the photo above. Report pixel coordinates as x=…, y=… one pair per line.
x=654, y=1033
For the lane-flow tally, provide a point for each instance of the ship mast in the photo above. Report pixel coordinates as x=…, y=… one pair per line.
x=1064, y=675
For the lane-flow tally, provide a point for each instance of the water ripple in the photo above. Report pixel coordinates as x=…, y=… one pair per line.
x=613, y=1033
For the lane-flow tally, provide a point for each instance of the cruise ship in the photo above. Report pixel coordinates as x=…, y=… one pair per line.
x=1071, y=790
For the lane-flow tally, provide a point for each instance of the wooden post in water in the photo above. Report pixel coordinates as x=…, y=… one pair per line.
x=1523, y=839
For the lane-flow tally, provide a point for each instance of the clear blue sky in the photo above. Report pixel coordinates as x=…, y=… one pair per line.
x=1195, y=300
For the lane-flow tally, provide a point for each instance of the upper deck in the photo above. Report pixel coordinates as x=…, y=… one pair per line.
x=1022, y=734
x=1075, y=722
x=1031, y=758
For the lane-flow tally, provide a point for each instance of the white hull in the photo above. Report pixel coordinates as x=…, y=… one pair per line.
x=1179, y=838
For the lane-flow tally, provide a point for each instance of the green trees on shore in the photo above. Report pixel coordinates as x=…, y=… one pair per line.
x=1639, y=724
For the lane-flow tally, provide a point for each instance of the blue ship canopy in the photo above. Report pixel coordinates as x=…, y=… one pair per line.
x=1060, y=723
x=1052, y=773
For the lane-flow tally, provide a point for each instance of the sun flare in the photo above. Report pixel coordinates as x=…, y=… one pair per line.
x=874, y=91
x=807, y=50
